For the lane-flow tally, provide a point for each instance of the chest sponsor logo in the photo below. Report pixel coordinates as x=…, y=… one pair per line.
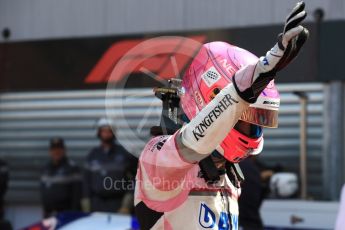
x=209, y=220
x=200, y=129
x=159, y=144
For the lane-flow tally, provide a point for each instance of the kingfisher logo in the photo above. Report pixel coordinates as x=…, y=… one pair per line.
x=145, y=60
x=209, y=220
x=226, y=101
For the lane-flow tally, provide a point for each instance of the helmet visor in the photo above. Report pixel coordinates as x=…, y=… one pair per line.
x=262, y=117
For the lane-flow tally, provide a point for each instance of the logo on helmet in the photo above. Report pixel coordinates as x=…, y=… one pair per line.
x=276, y=103
x=198, y=99
x=228, y=67
x=211, y=76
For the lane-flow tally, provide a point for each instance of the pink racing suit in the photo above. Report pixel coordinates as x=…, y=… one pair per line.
x=174, y=195
x=171, y=192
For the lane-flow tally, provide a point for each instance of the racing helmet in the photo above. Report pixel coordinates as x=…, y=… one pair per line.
x=284, y=185
x=209, y=72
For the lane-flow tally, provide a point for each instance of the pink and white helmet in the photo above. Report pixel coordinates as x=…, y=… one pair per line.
x=210, y=71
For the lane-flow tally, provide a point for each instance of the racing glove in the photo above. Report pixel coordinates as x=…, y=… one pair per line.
x=250, y=84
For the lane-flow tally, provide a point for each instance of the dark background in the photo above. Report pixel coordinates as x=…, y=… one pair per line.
x=65, y=63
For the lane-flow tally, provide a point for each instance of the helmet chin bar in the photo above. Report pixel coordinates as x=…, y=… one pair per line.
x=237, y=146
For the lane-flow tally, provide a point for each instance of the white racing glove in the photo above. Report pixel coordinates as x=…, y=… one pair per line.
x=249, y=85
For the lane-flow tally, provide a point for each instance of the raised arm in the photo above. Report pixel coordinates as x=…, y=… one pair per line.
x=210, y=126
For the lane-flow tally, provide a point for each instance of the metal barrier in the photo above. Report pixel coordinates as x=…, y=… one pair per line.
x=29, y=120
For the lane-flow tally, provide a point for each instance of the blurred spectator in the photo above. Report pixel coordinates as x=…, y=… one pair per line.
x=254, y=189
x=3, y=186
x=109, y=174
x=4, y=224
x=251, y=196
x=61, y=184
x=340, y=223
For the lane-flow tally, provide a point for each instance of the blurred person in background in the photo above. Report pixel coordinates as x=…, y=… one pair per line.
x=251, y=197
x=4, y=176
x=3, y=186
x=61, y=184
x=109, y=174
x=254, y=189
